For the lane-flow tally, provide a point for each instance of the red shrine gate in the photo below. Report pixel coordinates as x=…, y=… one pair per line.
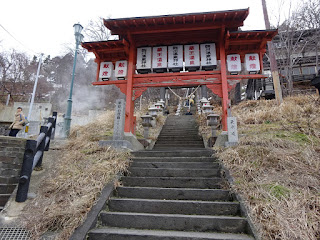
x=214, y=50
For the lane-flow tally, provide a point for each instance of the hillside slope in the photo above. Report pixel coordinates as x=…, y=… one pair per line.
x=276, y=166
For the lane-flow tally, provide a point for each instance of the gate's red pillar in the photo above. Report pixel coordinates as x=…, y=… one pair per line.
x=261, y=61
x=98, y=61
x=224, y=82
x=128, y=126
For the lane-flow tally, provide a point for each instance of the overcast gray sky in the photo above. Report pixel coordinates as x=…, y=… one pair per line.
x=46, y=26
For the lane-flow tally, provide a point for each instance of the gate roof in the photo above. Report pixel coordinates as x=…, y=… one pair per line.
x=232, y=19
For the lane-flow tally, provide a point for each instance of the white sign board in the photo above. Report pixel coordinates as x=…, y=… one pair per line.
x=234, y=63
x=121, y=69
x=144, y=58
x=106, y=69
x=232, y=129
x=252, y=62
x=175, y=56
x=159, y=57
x=191, y=55
x=208, y=54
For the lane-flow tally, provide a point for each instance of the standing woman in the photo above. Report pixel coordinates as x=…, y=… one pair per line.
x=18, y=123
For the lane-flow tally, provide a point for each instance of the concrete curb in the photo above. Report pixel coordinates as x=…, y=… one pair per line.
x=92, y=217
x=243, y=207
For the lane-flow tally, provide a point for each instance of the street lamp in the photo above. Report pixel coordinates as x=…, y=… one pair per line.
x=79, y=37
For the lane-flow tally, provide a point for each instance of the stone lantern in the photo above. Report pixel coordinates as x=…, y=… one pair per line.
x=214, y=123
x=163, y=102
x=204, y=101
x=146, y=123
x=207, y=108
x=159, y=105
x=153, y=111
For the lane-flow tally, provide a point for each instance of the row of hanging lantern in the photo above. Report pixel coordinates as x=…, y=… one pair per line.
x=192, y=57
x=178, y=58
x=175, y=58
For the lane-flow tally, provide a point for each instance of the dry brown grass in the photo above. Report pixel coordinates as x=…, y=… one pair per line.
x=155, y=131
x=276, y=166
x=75, y=183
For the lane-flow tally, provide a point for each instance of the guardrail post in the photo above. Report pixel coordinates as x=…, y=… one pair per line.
x=26, y=170
x=49, y=133
x=55, y=116
x=42, y=145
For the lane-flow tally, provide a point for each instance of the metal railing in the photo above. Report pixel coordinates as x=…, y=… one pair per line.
x=33, y=156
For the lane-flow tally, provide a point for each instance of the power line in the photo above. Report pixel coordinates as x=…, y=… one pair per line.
x=17, y=40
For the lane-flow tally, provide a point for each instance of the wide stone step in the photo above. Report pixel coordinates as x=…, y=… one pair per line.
x=172, y=153
x=173, y=159
x=179, y=129
x=173, y=172
x=178, y=145
x=108, y=233
x=174, y=193
x=185, y=125
x=200, y=223
x=178, y=137
x=172, y=182
x=174, y=206
x=177, y=133
x=179, y=140
x=175, y=121
x=197, y=165
x=7, y=188
x=181, y=148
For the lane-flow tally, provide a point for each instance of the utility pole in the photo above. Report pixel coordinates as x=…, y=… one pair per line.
x=273, y=61
x=34, y=88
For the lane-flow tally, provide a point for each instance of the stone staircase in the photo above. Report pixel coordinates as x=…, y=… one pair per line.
x=179, y=132
x=173, y=192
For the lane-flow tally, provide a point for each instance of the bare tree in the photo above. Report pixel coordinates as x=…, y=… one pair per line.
x=17, y=76
x=96, y=31
x=296, y=38
x=310, y=16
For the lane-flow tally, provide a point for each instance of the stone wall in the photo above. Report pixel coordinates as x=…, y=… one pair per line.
x=11, y=151
x=11, y=158
x=4, y=128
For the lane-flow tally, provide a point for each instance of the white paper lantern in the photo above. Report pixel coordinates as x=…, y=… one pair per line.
x=252, y=62
x=106, y=69
x=121, y=69
x=234, y=63
x=175, y=58
x=159, y=59
x=208, y=56
x=144, y=60
x=192, y=57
